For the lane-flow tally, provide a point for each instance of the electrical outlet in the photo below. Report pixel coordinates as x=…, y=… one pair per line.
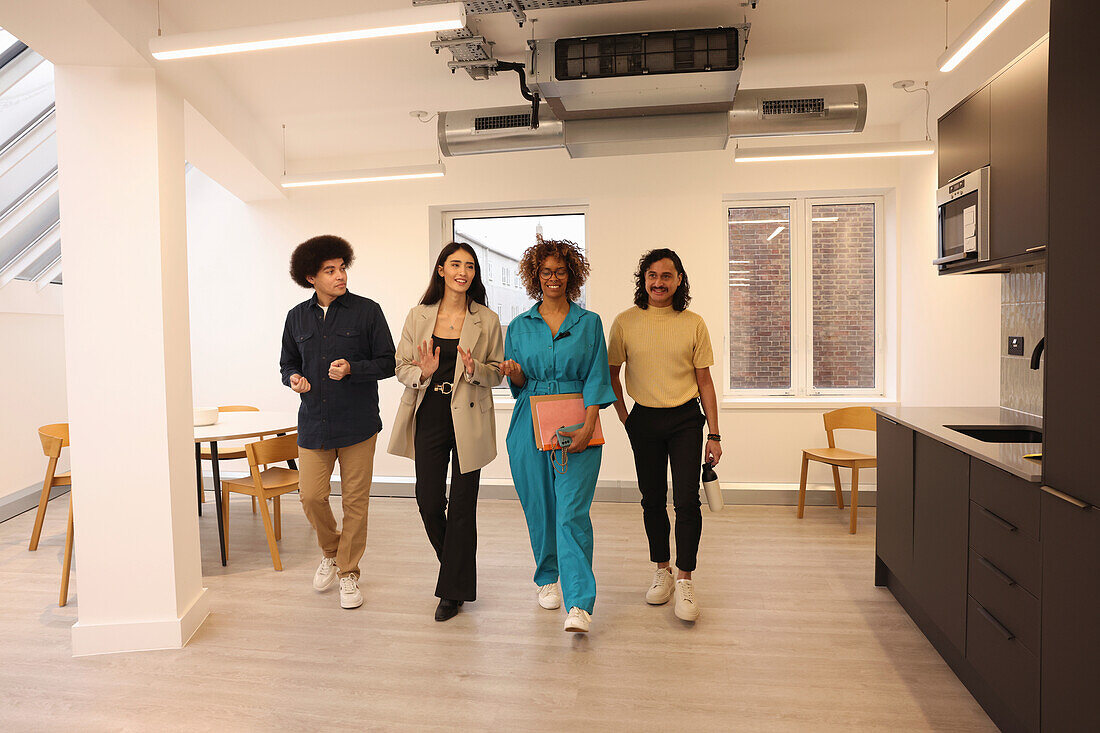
x=1015, y=345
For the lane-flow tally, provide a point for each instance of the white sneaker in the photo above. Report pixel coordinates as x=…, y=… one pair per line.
x=661, y=590
x=350, y=597
x=326, y=574
x=577, y=620
x=686, y=610
x=549, y=596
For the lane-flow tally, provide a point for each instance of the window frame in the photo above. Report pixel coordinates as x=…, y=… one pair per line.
x=801, y=264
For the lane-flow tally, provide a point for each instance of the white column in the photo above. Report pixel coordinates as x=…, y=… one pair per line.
x=127, y=340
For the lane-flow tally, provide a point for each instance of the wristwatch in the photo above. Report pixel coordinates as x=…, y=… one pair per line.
x=715, y=437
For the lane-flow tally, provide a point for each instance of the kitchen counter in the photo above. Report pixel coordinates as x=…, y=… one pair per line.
x=1006, y=456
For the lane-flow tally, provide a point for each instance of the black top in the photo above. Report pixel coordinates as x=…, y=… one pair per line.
x=448, y=354
x=336, y=414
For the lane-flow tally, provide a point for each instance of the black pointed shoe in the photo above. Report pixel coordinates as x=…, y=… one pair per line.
x=446, y=609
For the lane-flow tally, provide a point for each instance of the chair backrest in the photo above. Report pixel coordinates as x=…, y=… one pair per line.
x=848, y=418
x=272, y=450
x=54, y=437
x=237, y=408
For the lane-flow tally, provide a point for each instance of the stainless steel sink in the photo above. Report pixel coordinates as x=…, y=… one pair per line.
x=1000, y=433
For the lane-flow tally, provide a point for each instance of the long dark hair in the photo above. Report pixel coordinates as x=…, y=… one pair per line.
x=680, y=298
x=434, y=293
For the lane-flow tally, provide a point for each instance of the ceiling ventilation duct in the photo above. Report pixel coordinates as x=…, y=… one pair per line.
x=816, y=110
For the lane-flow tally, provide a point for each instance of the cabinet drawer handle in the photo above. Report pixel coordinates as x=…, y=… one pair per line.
x=1036, y=249
x=1065, y=497
x=1001, y=575
x=1004, y=523
x=1008, y=635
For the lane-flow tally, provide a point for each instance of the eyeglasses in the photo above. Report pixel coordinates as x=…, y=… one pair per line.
x=545, y=273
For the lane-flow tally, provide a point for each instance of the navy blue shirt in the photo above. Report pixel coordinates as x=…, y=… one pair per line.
x=337, y=413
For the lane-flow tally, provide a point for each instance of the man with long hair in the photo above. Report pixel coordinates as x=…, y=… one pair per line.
x=667, y=351
x=336, y=346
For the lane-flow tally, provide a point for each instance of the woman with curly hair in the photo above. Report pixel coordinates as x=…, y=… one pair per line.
x=668, y=351
x=557, y=347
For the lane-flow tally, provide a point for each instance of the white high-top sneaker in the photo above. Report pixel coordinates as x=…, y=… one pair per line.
x=686, y=610
x=549, y=596
x=327, y=574
x=577, y=620
x=661, y=590
x=350, y=597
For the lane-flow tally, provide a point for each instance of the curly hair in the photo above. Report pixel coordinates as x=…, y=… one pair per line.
x=568, y=252
x=680, y=298
x=307, y=258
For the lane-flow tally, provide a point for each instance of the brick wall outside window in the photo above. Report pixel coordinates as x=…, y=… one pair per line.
x=843, y=295
x=760, y=298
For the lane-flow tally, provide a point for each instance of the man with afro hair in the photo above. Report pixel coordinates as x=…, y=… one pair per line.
x=336, y=346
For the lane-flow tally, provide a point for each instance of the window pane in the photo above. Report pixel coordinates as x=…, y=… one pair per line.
x=843, y=242
x=760, y=297
x=500, y=242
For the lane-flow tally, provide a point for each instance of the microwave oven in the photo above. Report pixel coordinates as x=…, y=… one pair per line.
x=963, y=221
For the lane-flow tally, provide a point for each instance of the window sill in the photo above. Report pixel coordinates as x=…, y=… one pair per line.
x=830, y=402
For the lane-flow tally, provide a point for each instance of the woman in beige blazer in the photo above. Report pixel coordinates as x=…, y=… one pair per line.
x=448, y=359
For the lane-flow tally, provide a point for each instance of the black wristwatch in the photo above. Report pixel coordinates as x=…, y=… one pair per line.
x=715, y=437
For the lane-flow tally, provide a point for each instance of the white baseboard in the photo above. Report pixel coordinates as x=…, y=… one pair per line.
x=89, y=639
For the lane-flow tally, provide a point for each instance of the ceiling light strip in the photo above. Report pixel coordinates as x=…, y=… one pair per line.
x=423, y=19
x=995, y=14
x=364, y=176
x=830, y=152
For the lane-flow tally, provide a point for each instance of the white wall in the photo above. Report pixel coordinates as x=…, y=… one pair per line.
x=241, y=291
x=33, y=378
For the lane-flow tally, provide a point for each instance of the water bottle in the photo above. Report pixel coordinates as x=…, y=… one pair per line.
x=712, y=488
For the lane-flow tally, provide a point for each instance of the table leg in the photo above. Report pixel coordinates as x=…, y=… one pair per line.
x=198, y=473
x=291, y=463
x=218, y=496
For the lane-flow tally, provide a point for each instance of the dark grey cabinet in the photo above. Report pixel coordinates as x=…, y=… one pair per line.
x=1018, y=157
x=894, y=500
x=964, y=137
x=1070, y=643
x=941, y=498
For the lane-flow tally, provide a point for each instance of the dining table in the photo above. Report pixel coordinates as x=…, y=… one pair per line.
x=236, y=426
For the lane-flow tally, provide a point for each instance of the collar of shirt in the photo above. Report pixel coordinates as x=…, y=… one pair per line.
x=339, y=300
x=571, y=318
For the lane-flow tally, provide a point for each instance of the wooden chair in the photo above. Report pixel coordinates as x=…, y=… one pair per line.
x=856, y=418
x=64, y=598
x=265, y=484
x=226, y=451
x=54, y=437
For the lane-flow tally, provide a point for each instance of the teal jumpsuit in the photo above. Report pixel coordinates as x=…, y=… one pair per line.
x=557, y=505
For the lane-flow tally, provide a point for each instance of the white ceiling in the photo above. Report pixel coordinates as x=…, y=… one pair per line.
x=352, y=100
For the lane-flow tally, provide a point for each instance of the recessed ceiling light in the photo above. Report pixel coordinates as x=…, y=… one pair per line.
x=364, y=176
x=826, y=152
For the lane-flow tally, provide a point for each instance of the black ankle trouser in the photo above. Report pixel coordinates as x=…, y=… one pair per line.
x=451, y=530
x=657, y=436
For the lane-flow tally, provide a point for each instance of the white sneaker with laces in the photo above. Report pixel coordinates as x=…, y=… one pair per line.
x=549, y=596
x=686, y=610
x=661, y=590
x=577, y=620
x=350, y=597
x=327, y=574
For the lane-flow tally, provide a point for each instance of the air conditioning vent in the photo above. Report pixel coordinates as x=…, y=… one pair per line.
x=636, y=54
x=806, y=107
x=501, y=122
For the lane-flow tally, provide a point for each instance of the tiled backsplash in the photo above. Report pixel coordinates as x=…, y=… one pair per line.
x=1023, y=309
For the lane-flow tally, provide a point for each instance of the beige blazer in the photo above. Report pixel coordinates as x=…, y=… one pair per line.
x=472, y=399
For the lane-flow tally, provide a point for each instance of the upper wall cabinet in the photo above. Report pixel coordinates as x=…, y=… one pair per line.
x=1004, y=125
x=964, y=137
x=1018, y=155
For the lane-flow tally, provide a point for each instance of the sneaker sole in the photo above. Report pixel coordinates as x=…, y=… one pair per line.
x=357, y=605
x=660, y=602
x=327, y=585
x=576, y=630
x=691, y=619
x=555, y=607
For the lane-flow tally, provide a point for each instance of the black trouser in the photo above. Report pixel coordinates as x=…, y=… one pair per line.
x=452, y=531
x=656, y=436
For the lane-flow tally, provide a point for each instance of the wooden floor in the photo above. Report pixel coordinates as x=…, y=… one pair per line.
x=793, y=637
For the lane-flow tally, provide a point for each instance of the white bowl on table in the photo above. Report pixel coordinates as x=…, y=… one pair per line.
x=205, y=416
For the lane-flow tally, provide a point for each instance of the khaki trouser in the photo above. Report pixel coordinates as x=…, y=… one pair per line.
x=356, y=470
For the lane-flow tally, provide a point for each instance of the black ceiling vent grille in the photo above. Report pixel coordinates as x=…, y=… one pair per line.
x=502, y=122
x=636, y=54
x=807, y=107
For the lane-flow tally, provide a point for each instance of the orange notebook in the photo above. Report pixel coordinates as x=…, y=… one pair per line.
x=552, y=412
